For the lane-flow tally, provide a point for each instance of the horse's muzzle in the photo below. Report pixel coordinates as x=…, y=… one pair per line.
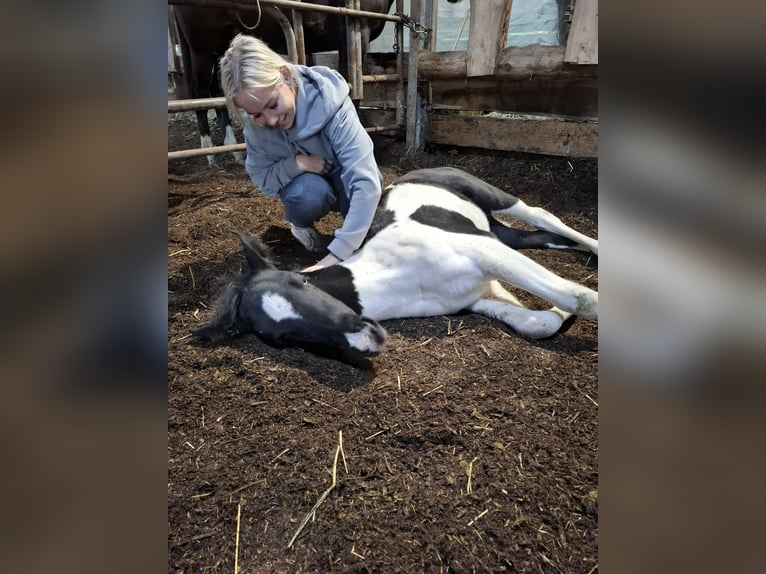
x=369, y=339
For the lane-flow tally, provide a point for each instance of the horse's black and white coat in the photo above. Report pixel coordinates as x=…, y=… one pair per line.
x=434, y=248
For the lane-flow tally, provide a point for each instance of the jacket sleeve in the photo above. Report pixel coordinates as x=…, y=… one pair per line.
x=268, y=172
x=360, y=176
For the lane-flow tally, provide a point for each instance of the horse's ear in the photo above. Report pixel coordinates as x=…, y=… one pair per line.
x=255, y=253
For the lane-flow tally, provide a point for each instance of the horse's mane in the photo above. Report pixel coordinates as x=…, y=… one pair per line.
x=227, y=323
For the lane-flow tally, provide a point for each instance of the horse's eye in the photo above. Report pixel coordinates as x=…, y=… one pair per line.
x=305, y=281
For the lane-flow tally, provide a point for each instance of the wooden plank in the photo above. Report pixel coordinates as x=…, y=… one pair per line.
x=582, y=44
x=543, y=136
x=567, y=96
x=413, y=137
x=487, y=32
x=372, y=118
x=519, y=62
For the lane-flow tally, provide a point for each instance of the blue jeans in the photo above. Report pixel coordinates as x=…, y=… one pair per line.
x=309, y=197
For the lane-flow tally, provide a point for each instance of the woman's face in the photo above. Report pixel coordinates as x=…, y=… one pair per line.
x=272, y=107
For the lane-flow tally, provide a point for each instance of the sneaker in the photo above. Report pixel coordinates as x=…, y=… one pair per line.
x=307, y=236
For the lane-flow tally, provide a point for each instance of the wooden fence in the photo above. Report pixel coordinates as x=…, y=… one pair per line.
x=540, y=99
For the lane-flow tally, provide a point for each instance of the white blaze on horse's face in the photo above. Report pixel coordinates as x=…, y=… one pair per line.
x=277, y=307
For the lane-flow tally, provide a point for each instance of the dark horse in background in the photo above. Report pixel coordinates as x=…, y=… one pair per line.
x=205, y=34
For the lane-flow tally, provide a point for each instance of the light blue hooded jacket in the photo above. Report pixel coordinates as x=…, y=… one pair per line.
x=326, y=124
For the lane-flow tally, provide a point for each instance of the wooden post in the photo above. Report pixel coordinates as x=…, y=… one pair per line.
x=358, y=82
x=414, y=139
x=489, y=27
x=400, y=66
x=300, y=40
x=431, y=16
x=582, y=45
x=354, y=52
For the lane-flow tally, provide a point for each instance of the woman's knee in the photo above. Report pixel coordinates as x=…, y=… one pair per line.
x=307, y=198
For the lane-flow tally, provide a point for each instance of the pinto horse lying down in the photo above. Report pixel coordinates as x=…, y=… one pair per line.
x=434, y=248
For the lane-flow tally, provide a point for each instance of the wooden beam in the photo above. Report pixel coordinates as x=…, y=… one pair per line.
x=547, y=136
x=571, y=97
x=582, y=44
x=489, y=27
x=413, y=137
x=515, y=62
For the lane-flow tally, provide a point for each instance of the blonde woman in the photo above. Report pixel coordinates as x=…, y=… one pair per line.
x=305, y=143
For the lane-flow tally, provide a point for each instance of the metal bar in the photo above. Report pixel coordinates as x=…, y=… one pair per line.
x=380, y=78
x=183, y=154
x=175, y=106
x=287, y=30
x=219, y=149
x=392, y=127
x=304, y=6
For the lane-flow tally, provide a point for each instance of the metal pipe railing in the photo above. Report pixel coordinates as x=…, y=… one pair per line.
x=304, y=6
x=297, y=50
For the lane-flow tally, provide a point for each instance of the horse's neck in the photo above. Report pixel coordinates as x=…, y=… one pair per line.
x=338, y=281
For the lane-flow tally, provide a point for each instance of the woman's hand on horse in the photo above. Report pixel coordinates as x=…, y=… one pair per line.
x=313, y=164
x=326, y=261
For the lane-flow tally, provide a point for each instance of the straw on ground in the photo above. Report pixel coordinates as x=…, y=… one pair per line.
x=338, y=452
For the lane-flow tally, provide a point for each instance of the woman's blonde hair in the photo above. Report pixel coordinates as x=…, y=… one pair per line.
x=250, y=63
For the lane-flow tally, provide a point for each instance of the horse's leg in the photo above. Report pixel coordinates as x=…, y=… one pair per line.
x=227, y=131
x=204, y=134
x=202, y=69
x=343, y=61
x=193, y=66
x=493, y=200
x=545, y=220
x=500, y=262
x=524, y=239
x=499, y=293
x=528, y=322
x=499, y=303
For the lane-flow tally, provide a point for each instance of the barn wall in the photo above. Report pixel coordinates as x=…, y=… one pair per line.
x=533, y=98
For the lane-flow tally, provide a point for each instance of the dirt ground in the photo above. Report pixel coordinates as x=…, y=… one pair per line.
x=467, y=448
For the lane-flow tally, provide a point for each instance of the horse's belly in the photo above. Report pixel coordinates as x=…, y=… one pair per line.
x=439, y=304
x=416, y=272
x=420, y=294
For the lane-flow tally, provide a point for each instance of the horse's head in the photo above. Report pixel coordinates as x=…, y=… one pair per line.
x=284, y=309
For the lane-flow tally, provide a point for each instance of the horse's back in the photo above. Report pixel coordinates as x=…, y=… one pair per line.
x=486, y=196
x=426, y=211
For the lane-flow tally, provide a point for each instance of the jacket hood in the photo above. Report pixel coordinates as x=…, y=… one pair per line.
x=321, y=92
